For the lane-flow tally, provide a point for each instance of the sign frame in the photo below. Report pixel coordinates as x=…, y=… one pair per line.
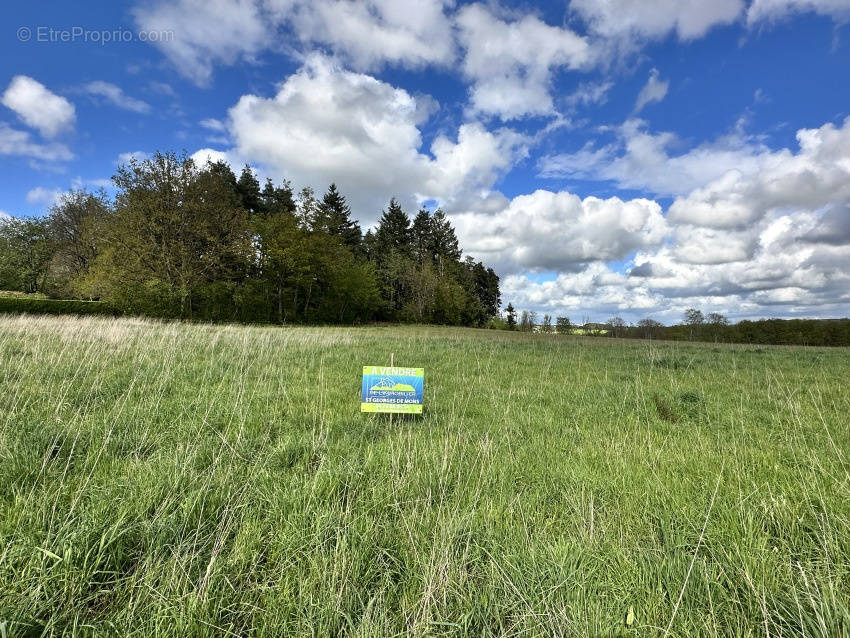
x=392, y=389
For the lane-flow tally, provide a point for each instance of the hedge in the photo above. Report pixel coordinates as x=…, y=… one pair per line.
x=55, y=306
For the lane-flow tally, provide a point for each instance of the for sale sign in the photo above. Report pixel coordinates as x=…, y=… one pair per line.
x=389, y=389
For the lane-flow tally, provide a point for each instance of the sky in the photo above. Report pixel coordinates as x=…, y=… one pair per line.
x=605, y=157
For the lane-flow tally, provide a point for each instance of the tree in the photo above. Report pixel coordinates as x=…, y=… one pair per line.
x=563, y=326
x=524, y=322
x=176, y=230
x=25, y=252
x=649, y=327
x=394, y=233
x=277, y=199
x=75, y=227
x=616, y=326
x=421, y=231
x=391, y=251
x=443, y=245
x=511, y=317
x=717, y=319
x=333, y=216
x=532, y=320
x=547, y=324
x=693, y=319
x=248, y=189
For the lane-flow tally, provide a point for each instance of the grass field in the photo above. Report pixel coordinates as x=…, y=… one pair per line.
x=179, y=480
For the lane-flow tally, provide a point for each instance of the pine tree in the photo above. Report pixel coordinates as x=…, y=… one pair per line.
x=248, y=189
x=277, y=199
x=394, y=233
x=333, y=216
x=511, y=314
x=444, y=241
x=422, y=236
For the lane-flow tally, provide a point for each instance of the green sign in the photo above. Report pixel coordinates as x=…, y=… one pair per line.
x=389, y=389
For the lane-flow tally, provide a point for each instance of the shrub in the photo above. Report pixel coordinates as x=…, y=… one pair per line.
x=55, y=306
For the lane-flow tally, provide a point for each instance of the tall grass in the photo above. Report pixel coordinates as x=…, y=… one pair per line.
x=167, y=479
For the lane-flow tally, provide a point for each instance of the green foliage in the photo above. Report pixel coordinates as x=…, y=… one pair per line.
x=177, y=479
x=35, y=305
x=196, y=242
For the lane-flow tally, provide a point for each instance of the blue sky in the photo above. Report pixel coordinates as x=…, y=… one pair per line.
x=606, y=157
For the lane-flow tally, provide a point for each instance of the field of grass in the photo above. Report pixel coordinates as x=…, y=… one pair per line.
x=180, y=480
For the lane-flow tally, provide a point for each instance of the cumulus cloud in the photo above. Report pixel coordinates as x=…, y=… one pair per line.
x=816, y=176
x=511, y=62
x=115, y=96
x=639, y=159
x=20, y=143
x=45, y=196
x=590, y=93
x=770, y=236
x=689, y=19
x=560, y=231
x=39, y=107
x=327, y=124
x=206, y=32
x=371, y=33
x=365, y=33
x=654, y=90
x=773, y=10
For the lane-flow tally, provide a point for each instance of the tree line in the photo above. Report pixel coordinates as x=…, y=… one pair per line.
x=193, y=241
x=695, y=326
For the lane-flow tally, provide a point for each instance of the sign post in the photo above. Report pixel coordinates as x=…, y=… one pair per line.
x=393, y=390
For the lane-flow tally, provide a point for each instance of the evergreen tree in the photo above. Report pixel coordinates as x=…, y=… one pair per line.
x=333, y=216
x=392, y=252
x=444, y=239
x=511, y=315
x=248, y=189
x=394, y=233
x=422, y=236
x=277, y=199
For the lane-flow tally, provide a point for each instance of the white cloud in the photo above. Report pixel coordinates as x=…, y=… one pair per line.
x=590, y=93
x=15, y=142
x=205, y=155
x=206, y=32
x=653, y=91
x=45, y=196
x=773, y=10
x=38, y=107
x=4, y=216
x=125, y=158
x=771, y=237
x=371, y=33
x=213, y=124
x=560, y=231
x=115, y=95
x=511, y=62
x=635, y=19
x=642, y=160
x=326, y=124
x=778, y=273
x=365, y=33
x=816, y=176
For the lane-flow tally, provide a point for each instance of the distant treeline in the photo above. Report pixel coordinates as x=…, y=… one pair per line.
x=196, y=242
x=802, y=332
x=695, y=327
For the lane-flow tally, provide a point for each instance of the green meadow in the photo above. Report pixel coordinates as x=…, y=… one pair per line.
x=164, y=479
